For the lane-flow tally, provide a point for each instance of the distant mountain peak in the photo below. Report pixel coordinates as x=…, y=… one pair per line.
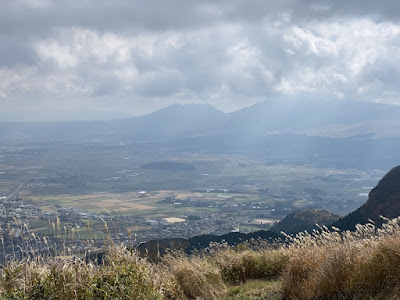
x=187, y=107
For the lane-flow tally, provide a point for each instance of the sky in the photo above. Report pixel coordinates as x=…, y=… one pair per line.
x=134, y=56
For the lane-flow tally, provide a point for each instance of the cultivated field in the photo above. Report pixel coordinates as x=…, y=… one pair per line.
x=225, y=191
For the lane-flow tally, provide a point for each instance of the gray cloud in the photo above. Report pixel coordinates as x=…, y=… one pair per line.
x=39, y=16
x=137, y=56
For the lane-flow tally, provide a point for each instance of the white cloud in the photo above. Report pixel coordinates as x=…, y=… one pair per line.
x=231, y=55
x=332, y=58
x=75, y=46
x=15, y=81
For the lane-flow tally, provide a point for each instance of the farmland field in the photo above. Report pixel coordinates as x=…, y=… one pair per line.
x=202, y=193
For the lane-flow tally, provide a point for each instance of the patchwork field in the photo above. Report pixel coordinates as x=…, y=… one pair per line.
x=219, y=192
x=110, y=203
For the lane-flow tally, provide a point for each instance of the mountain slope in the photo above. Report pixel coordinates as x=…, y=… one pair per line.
x=304, y=220
x=320, y=133
x=175, y=120
x=316, y=118
x=295, y=115
x=383, y=200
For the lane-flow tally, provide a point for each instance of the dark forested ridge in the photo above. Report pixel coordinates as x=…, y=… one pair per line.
x=334, y=135
x=304, y=220
x=155, y=248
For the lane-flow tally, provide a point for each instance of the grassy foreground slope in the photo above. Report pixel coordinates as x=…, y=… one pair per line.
x=364, y=264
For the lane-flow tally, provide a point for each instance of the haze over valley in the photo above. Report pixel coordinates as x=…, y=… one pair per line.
x=188, y=170
x=136, y=121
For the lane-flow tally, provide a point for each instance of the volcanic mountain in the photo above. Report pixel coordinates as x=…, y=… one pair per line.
x=384, y=200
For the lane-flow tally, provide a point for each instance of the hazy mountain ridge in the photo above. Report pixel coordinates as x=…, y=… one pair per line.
x=328, y=134
x=292, y=116
x=265, y=117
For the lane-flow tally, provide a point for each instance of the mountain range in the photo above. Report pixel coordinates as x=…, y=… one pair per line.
x=309, y=117
x=343, y=134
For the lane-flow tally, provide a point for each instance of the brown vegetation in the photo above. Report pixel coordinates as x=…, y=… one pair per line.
x=352, y=265
x=364, y=264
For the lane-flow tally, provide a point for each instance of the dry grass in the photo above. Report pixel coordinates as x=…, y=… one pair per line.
x=256, y=289
x=122, y=276
x=364, y=264
x=239, y=264
x=195, y=277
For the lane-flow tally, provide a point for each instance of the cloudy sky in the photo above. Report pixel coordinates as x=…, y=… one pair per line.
x=136, y=56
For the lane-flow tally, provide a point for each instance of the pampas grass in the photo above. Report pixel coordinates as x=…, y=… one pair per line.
x=324, y=264
x=364, y=264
